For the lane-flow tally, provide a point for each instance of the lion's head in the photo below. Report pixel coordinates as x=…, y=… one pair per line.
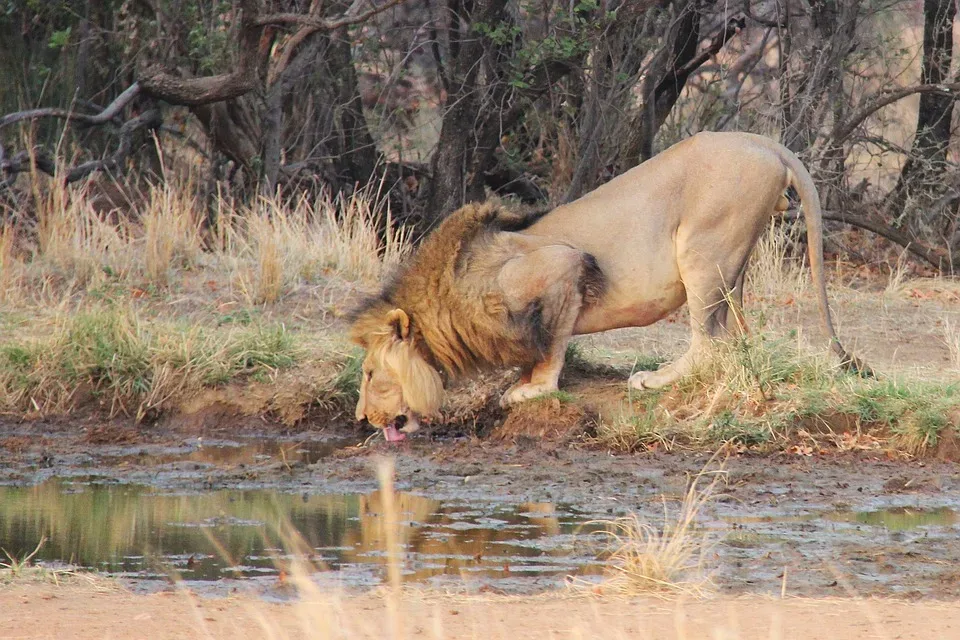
x=398, y=386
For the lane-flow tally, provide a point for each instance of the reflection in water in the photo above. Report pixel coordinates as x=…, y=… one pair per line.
x=142, y=532
x=900, y=518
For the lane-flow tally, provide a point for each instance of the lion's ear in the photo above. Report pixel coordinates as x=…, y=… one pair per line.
x=400, y=322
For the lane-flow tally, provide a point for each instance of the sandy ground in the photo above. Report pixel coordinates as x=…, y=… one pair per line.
x=82, y=611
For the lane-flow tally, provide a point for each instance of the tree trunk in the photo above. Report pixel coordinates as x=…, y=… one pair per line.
x=927, y=160
x=448, y=188
x=359, y=153
x=661, y=91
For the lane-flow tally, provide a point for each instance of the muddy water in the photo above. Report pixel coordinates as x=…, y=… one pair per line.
x=891, y=518
x=143, y=533
x=208, y=511
x=151, y=535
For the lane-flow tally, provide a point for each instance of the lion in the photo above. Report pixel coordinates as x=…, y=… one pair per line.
x=489, y=288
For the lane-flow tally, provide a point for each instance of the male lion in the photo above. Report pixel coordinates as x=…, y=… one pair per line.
x=489, y=288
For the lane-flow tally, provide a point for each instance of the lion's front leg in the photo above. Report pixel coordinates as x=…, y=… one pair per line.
x=542, y=378
x=550, y=278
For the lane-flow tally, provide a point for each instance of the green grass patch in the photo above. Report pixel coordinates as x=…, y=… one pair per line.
x=134, y=365
x=764, y=393
x=647, y=363
x=344, y=389
x=563, y=397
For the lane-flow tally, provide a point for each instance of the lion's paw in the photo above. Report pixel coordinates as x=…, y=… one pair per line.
x=521, y=393
x=643, y=380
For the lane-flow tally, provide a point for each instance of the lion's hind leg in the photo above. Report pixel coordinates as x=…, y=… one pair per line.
x=715, y=299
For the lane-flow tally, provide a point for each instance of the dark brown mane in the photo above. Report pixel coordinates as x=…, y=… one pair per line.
x=459, y=320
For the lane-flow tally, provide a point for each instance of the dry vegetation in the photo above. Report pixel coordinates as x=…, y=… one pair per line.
x=140, y=313
x=665, y=560
x=143, y=309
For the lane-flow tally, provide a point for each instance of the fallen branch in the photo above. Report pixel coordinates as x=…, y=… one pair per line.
x=109, y=112
x=26, y=160
x=938, y=258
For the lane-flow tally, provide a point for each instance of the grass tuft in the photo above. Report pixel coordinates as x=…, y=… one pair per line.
x=762, y=393
x=663, y=560
x=345, y=386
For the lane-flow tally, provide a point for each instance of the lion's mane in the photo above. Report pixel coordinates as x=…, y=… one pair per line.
x=448, y=289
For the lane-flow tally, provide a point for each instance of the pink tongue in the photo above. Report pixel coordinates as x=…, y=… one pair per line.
x=393, y=435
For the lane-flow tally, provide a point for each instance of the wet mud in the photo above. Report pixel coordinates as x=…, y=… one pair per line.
x=152, y=506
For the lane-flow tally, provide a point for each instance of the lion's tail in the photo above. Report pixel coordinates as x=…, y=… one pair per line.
x=800, y=179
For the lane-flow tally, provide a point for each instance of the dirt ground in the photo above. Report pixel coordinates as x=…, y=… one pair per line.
x=81, y=611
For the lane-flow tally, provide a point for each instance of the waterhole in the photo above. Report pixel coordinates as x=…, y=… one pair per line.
x=214, y=540
x=147, y=534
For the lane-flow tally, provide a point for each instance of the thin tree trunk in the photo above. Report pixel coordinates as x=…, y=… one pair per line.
x=928, y=156
x=447, y=190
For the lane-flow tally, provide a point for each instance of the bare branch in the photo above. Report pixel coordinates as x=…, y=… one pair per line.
x=936, y=257
x=845, y=129
x=254, y=46
x=730, y=29
x=325, y=24
x=109, y=113
x=25, y=160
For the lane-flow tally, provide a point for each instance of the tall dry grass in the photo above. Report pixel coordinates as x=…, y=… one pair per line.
x=775, y=270
x=951, y=338
x=263, y=251
x=270, y=246
x=9, y=266
x=172, y=236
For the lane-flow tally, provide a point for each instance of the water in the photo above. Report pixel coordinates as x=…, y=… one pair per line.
x=230, y=453
x=890, y=518
x=212, y=539
x=144, y=533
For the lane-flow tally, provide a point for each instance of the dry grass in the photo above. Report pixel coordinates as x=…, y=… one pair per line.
x=20, y=570
x=951, y=337
x=775, y=271
x=172, y=236
x=9, y=266
x=264, y=250
x=270, y=247
x=667, y=560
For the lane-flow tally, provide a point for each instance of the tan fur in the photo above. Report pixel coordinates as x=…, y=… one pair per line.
x=483, y=291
